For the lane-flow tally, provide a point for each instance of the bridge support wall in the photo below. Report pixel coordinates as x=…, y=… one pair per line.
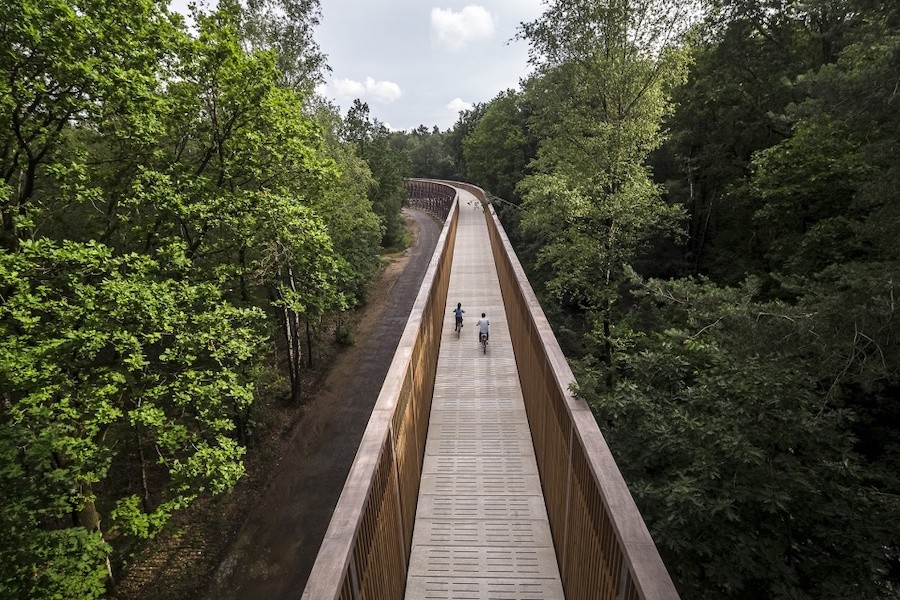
x=365, y=552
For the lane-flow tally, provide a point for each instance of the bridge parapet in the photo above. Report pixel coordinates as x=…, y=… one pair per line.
x=603, y=547
x=366, y=548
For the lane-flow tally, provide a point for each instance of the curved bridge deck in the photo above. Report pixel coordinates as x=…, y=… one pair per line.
x=481, y=528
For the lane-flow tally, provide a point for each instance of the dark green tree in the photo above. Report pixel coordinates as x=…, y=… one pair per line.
x=164, y=192
x=456, y=136
x=109, y=363
x=427, y=150
x=500, y=146
x=748, y=476
x=388, y=166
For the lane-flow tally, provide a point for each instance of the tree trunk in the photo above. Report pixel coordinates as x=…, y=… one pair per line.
x=309, y=345
x=89, y=518
x=145, y=489
x=84, y=516
x=291, y=330
x=242, y=258
x=607, y=343
x=295, y=354
x=701, y=242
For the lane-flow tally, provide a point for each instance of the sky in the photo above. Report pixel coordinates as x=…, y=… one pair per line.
x=420, y=62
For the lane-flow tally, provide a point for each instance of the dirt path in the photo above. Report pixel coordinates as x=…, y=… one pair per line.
x=275, y=548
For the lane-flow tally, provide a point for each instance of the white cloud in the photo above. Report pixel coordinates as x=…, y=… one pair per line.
x=347, y=89
x=382, y=92
x=456, y=29
x=459, y=105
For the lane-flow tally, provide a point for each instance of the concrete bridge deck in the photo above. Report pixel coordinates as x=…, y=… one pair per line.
x=481, y=527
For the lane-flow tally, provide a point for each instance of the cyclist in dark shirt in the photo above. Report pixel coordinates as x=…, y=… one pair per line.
x=458, y=311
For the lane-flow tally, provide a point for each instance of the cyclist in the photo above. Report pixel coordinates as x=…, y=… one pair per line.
x=458, y=311
x=484, y=325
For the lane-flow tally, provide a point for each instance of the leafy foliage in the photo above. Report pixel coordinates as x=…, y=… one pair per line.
x=388, y=166
x=749, y=481
x=105, y=356
x=499, y=147
x=751, y=401
x=174, y=214
x=598, y=104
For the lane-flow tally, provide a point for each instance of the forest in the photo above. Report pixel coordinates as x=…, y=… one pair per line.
x=706, y=198
x=185, y=226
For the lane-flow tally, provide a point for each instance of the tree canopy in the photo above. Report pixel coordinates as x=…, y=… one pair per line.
x=710, y=219
x=178, y=212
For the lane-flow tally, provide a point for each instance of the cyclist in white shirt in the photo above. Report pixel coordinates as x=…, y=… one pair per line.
x=483, y=327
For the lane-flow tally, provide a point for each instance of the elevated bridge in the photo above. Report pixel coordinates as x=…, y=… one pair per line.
x=480, y=475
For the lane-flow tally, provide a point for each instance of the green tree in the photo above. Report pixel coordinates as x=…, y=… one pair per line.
x=285, y=27
x=748, y=478
x=829, y=213
x=500, y=146
x=465, y=124
x=427, y=150
x=174, y=188
x=388, y=165
x=241, y=149
x=353, y=226
x=727, y=110
x=298, y=267
x=68, y=64
x=109, y=363
x=604, y=72
x=749, y=56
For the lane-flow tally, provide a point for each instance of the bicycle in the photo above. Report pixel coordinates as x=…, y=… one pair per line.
x=458, y=328
x=483, y=340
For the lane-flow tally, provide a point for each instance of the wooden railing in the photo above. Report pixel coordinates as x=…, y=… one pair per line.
x=365, y=553
x=602, y=545
x=430, y=196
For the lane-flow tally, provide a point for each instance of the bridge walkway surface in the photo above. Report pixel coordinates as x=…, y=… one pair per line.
x=481, y=527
